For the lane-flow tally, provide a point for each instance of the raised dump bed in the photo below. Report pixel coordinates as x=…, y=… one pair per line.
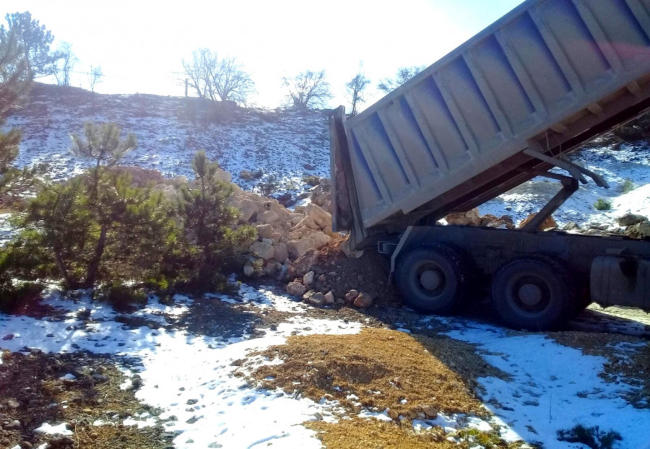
x=500, y=109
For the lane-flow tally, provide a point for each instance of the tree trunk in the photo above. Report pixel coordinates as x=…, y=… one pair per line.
x=93, y=266
x=64, y=271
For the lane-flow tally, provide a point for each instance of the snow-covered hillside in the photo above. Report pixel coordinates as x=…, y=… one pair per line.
x=285, y=145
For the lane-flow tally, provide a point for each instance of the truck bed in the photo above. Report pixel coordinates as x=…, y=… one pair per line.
x=548, y=76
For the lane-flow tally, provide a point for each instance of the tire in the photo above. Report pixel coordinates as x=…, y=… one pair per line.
x=532, y=294
x=432, y=279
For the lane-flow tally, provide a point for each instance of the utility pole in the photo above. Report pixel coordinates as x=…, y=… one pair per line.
x=186, y=83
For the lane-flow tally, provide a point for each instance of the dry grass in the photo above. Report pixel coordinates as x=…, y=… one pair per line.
x=373, y=434
x=383, y=369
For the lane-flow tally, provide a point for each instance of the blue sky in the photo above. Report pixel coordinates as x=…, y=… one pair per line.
x=140, y=44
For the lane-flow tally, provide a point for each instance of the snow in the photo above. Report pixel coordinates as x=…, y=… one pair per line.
x=58, y=429
x=6, y=230
x=629, y=163
x=191, y=377
x=552, y=387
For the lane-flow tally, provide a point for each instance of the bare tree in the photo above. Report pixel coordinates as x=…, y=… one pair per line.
x=308, y=89
x=217, y=79
x=64, y=65
x=94, y=76
x=403, y=75
x=355, y=87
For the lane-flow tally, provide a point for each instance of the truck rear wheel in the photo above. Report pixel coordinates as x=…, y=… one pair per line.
x=532, y=294
x=432, y=279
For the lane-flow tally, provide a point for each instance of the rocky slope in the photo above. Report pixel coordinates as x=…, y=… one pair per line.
x=272, y=149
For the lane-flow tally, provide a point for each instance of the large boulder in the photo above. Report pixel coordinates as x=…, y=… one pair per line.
x=264, y=231
x=321, y=195
x=295, y=288
x=469, y=218
x=314, y=240
x=280, y=252
x=631, y=219
x=548, y=223
x=363, y=300
x=263, y=250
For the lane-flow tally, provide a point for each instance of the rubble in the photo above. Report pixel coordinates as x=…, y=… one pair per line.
x=548, y=223
x=469, y=218
x=363, y=300
x=631, y=219
x=308, y=278
x=296, y=288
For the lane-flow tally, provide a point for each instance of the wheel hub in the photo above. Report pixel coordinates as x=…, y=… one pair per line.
x=430, y=279
x=530, y=294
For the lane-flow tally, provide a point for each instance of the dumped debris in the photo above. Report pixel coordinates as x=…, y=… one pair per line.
x=379, y=369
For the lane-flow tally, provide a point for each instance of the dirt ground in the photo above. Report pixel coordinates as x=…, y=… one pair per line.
x=80, y=389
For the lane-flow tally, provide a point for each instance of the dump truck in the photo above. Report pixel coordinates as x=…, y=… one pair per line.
x=506, y=106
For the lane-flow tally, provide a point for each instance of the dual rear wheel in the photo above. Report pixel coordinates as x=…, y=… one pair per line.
x=529, y=293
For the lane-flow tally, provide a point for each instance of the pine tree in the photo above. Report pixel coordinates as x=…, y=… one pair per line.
x=14, y=83
x=103, y=144
x=208, y=223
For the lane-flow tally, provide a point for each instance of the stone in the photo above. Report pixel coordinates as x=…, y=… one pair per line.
x=264, y=231
x=639, y=230
x=298, y=248
x=321, y=195
x=272, y=267
x=571, y=226
x=12, y=403
x=296, y=288
x=363, y=300
x=329, y=297
x=269, y=217
x=280, y=252
x=13, y=425
x=263, y=250
x=492, y=221
x=351, y=295
x=469, y=218
x=304, y=264
x=308, y=278
x=319, y=239
x=320, y=216
x=548, y=223
x=349, y=252
x=248, y=208
x=315, y=298
x=249, y=270
x=631, y=219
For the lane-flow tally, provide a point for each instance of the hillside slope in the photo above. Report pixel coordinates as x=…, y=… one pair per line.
x=285, y=145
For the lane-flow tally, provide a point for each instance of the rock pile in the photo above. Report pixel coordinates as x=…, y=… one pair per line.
x=472, y=218
x=283, y=235
x=636, y=226
x=302, y=288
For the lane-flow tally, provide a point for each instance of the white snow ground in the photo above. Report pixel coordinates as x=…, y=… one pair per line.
x=188, y=376
x=553, y=387
x=191, y=376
